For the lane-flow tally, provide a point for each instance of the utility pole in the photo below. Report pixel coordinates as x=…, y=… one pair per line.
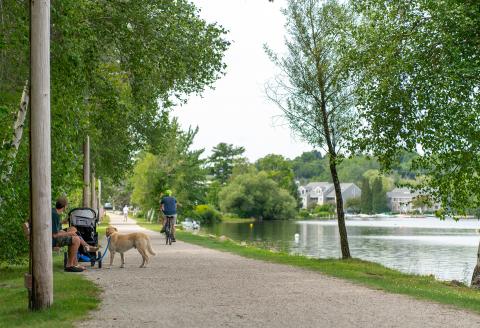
x=86, y=172
x=41, y=271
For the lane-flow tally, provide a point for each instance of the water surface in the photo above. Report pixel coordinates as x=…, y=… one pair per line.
x=446, y=249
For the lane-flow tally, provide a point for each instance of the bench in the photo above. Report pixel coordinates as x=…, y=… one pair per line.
x=26, y=233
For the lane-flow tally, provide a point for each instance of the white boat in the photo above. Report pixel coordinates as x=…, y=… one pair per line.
x=189, y=223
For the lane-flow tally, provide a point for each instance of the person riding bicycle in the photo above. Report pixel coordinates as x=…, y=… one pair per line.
x=169, y=208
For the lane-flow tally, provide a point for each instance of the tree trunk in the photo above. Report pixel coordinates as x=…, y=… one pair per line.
x=476, y=272
x=86, y=172
x=17, y=134
x=41, y=293
x=93, y=193
x=340, y=213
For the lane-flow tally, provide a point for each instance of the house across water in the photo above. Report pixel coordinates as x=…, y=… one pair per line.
x=319, y=193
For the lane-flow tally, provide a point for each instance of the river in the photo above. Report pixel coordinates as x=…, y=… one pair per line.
x=446, y=249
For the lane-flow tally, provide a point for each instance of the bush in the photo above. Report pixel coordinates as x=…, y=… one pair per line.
x=206, y=214
x=324, y=208
x=303, y=213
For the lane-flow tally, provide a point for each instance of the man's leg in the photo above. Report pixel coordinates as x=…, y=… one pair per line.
x=72, y=252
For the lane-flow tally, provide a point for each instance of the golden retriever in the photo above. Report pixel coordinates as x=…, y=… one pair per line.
x=123, y=242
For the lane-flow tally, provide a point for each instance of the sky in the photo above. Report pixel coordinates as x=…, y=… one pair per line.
x=237, y=111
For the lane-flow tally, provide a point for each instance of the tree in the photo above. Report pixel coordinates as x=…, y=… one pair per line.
x=314, y=91
x=417, y=88
x=354, y=205
x=175, y=167
x=279, y=170
x=366, y=197
x=116, y=69
x=256, y=195
x=379, y=196
x=223, y=159
x=308, y=165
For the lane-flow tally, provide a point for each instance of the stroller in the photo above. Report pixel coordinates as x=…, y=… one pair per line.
x=85, y=220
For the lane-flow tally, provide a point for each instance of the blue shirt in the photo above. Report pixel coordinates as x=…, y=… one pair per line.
x=56, y=224
x=169, y=205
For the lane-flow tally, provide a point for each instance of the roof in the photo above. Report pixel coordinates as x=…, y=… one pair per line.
x=343, y=187
x=327, y=187
x=314, y=185
x=401, y=193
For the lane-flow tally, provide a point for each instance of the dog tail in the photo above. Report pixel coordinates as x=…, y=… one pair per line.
x=149, y=248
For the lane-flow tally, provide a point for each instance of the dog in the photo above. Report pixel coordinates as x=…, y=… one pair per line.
x=124, y=242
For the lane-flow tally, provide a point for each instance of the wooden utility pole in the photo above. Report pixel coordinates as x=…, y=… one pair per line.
x=86, y=172
x=100, y=211
x=41, y=291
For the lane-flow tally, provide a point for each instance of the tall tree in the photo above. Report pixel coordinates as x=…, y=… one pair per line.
x=116, y=69
x=366, y=197
x=279, y=170
x=314, y=90
x=418, y=87
x=379, y=196
x=223, y=159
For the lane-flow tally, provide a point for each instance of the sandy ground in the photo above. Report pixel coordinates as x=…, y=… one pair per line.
x=190, y=286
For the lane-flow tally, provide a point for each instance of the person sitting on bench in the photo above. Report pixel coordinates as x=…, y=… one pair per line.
x=67, y=238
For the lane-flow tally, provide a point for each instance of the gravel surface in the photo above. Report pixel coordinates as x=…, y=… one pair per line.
x=190, y=286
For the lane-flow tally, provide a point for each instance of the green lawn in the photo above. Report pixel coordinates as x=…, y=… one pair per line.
x=362, y=272
x=73, y=296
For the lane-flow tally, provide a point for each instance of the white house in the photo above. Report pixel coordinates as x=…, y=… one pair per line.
x=319, y=193
x=401, y=200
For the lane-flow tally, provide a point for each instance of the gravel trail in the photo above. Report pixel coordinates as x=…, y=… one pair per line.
x=190, y=286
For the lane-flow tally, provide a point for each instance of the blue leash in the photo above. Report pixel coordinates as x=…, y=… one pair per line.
x=106, y=250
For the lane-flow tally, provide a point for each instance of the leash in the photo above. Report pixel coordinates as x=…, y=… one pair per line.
x=106, y=250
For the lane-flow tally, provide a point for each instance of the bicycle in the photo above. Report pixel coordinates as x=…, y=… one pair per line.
x=169, y=230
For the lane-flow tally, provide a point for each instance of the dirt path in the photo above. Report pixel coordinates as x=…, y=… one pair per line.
x=190, y=286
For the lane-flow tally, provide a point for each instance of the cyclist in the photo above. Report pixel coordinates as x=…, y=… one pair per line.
x=168, y=206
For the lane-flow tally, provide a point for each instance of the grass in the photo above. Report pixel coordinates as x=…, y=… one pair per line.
x=365, y=273
x=231, y=219
x=73, y=296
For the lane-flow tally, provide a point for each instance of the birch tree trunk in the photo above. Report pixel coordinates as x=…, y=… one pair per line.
x=17, y=134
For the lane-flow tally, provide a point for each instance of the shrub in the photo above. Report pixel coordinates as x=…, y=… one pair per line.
x=206, y=214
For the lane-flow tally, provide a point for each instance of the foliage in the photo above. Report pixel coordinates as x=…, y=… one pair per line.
x=175, y=167
x=366, y=197
x=354, y=205
x=308, y=165
x=256, y=195
x=74, y=296
x=417, y=69
x=314, y=91
x=223, y=159
x=279, y=170
x=116, y=68
x=379, y=197
x=206, y=214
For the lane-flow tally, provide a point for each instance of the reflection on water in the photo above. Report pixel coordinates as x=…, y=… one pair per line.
x=446, y=249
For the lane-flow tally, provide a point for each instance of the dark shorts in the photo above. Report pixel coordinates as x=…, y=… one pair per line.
x=62, y=241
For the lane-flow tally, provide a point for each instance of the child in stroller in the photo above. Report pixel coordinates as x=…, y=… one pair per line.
x=84, y=222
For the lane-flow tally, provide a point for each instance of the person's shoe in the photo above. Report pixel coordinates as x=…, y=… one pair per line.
x=163, y=230
x=73, y=269
x=173, y=239
x=90, y=249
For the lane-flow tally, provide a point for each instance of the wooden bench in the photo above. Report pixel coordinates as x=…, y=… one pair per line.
x=26, y=233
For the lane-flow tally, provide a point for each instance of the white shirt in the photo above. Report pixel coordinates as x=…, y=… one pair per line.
x=125, y=210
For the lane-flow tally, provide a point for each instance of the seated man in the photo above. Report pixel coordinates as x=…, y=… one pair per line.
x=67, y=238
